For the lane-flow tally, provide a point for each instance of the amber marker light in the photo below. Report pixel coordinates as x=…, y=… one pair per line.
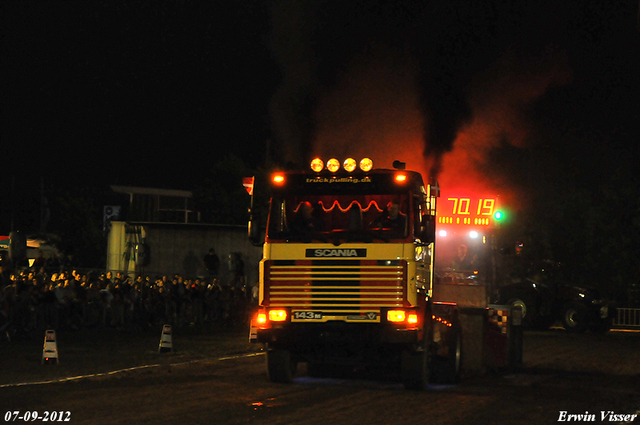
x=317, y=165
x=349, y=164
x=262, y=318
x=366, y=164
x=412, y=318
x=278, y=315
x=333, y=165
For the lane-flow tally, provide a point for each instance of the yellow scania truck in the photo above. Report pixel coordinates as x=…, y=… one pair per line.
x=347, y=274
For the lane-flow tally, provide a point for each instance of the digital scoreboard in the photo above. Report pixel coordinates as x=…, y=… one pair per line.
x=467, y=211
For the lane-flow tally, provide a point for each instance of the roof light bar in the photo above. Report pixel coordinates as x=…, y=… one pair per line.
x=349, y=165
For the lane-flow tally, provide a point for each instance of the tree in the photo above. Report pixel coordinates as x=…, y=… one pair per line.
x=221, y=198
x=76, y=220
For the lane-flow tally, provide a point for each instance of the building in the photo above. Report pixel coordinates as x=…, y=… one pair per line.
x=162, y=236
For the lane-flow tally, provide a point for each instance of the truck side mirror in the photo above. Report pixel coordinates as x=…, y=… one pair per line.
x=428, y=231
x=254, y=231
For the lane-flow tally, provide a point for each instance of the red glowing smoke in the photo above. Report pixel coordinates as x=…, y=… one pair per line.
x=374, y=111
x=412, y=82
x=499, y=100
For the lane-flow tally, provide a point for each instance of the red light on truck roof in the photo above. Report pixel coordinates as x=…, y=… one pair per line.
x=278, y=179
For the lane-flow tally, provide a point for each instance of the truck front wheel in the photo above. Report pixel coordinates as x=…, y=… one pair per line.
x=414, y=366
x=574, y=317
x=446, y=370
x=281, y=366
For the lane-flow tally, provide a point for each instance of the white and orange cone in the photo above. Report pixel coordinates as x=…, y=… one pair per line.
x=166, y=345
x=50, y=350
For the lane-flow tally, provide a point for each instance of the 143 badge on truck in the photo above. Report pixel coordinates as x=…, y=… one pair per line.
x=307, y=315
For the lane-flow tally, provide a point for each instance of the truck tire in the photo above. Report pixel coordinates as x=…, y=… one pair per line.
x=574, y=317
x=446, y=370
x=414, y=365
x=281, y=367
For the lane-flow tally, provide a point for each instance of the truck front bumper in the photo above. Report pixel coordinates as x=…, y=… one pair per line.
x=303, y=334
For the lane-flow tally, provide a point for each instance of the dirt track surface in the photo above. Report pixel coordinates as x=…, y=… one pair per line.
x=218, y=378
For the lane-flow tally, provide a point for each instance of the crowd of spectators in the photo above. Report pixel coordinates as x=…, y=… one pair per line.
x=40, y=298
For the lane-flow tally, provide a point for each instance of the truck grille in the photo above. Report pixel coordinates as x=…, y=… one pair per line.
x=335, y=285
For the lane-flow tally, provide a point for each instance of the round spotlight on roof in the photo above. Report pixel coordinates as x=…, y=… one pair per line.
x=333, y=165
x=349, y=164
x=317, y=165
x=366, y=164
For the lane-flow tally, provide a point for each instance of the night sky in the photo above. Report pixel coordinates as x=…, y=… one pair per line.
x=502, y=94
x=147, y=93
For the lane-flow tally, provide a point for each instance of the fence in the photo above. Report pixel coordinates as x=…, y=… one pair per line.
x=628, y=317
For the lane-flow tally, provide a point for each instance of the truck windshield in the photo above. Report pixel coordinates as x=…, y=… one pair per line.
x=339, y=218
x=462, y=259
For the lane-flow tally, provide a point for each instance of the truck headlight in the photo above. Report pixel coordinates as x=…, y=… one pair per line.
x=278, y=315
x=396, y=316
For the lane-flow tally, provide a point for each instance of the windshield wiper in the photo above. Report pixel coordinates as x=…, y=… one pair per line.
x=306, y=238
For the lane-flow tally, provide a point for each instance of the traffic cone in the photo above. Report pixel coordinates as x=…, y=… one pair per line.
x=50, y=350
x=165, y=340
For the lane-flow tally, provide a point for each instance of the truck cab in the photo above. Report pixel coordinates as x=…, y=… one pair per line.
x=347, y=274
